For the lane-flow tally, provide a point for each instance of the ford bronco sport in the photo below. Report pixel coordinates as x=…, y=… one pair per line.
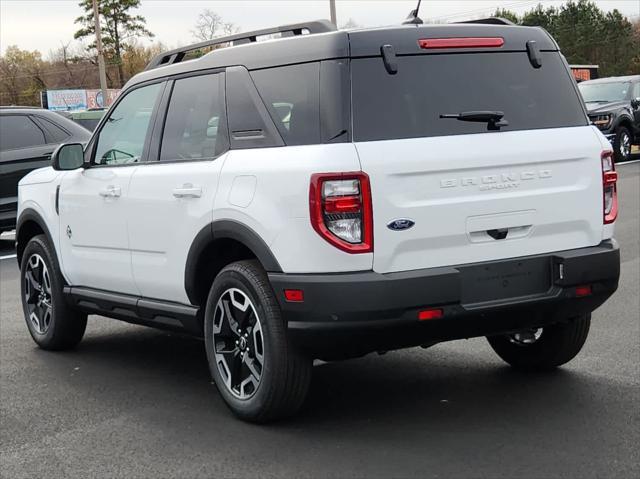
x=329, y=194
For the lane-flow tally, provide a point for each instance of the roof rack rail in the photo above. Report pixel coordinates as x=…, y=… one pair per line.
x=490, y=21
x=176, y=56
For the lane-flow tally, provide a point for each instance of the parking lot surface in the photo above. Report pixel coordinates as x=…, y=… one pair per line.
x=135, y=402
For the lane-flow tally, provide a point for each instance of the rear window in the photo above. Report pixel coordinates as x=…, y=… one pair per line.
x=409, y=103
x=19, y=131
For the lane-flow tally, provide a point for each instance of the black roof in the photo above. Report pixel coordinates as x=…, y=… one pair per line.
x=330, y=44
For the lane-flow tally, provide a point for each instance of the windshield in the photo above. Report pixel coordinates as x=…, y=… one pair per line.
x=604, y=92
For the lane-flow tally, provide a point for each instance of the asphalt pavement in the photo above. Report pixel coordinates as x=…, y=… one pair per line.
x=136, y=402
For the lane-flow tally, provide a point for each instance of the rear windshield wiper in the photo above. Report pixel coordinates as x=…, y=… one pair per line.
x=492, y=118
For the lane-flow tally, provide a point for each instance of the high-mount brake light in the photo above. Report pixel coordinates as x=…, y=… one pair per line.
x=341, y=211
x=461, y=42
x=609, y=188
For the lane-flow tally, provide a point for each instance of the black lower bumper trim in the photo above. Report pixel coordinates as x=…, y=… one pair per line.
x=368, y=311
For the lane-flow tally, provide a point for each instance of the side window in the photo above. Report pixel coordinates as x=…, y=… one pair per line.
x=292, y=95
x=19, y=131
x=636, y=91
x=194, y=127
x=121, y=139
x=54, y=133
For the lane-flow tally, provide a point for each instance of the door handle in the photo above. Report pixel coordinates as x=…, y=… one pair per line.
x=187, y=191
x=110, y=192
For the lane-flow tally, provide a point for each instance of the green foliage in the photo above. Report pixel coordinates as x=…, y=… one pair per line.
x=21, y=76
x=587, y=35
x=506, y=14
x=118, y=27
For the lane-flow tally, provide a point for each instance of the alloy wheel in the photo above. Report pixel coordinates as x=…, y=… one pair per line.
x=238, y=343
x=625, y=145
x=37, y=294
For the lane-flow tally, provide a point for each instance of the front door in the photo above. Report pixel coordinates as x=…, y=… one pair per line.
x=94, y=201
x=172, y=197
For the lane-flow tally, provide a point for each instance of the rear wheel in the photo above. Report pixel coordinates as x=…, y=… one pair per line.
x=259, y=374
x=51, y=322
x=543, y=348
x=622, y=144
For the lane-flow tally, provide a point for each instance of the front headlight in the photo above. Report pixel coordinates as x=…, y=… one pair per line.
x=601, y=121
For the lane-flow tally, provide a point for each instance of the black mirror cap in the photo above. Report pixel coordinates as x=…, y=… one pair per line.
x=635, y=103
x=68, y=156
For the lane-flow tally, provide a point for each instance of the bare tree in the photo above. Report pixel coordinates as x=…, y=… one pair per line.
x=211, y=25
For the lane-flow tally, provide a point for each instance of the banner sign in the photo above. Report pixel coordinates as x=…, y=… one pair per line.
x=95, y=100
x=66, y=99
x=70, y=100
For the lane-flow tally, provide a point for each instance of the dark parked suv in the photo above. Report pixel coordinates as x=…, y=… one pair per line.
x=28, y=136
x=614, y=107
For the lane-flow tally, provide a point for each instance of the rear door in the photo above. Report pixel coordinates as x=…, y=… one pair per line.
x=172, y=195
x=475, y=193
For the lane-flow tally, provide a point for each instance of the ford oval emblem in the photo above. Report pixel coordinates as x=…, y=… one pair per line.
x=400, y=224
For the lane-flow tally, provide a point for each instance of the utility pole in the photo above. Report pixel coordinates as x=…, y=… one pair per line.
x=101, y=68
x=332, y=9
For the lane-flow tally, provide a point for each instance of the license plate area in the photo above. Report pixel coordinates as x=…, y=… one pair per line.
x=504, y=280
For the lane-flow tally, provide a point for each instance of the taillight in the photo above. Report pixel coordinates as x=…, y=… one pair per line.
x=461, y=42
x=609, y=188
x=340, y=207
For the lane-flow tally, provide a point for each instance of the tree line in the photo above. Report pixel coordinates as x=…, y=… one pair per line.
x=586, y=35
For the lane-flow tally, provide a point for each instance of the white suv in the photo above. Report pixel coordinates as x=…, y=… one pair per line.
x=329, y=194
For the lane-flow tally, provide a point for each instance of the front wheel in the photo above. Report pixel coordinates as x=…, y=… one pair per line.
x=259, y=374
x=52, y=323
x=622, y=144
x=543, y=348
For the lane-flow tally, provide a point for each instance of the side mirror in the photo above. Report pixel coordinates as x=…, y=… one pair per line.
x=635, y=103
x=68, y=156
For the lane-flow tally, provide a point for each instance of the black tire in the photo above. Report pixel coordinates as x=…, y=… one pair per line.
x=558, y=344
x=285, y=373
x=62, y=327
x=620, y=142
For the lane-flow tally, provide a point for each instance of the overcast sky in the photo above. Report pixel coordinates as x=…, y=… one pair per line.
x=45, y=24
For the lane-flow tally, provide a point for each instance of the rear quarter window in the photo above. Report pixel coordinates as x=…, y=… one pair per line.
x=409, y=103
x=291, y=93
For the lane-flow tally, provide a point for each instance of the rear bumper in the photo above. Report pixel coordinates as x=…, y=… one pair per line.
x=355, y=313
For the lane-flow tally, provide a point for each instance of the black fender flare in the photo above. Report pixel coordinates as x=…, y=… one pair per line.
x=29, y=214
x=226, y=229
x=623, y=117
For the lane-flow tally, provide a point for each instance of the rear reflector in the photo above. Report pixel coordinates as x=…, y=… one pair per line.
x=294, y=295
x=582, y=291
x=469, y=42
x=430, y=314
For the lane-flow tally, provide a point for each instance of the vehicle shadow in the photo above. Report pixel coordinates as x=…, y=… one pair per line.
x=441, y=388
